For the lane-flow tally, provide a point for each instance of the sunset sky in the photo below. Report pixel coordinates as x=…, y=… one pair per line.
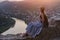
x=39, y=2
x=31, y=0
x=49, y=1
x=11, y=0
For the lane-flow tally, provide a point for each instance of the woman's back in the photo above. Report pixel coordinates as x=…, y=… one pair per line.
x=44, y=17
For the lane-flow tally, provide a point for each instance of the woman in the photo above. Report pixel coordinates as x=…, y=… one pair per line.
x=43, y=17
x=34, y=28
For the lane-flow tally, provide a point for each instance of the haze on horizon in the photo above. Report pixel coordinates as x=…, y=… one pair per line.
x=32, y=0
x=36, y=1
x=10, y=0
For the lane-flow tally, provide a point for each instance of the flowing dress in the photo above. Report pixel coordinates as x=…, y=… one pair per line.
x=34, y=28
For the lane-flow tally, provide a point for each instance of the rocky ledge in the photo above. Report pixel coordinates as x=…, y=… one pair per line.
x=50, y=33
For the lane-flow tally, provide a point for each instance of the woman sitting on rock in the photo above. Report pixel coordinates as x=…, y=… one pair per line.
x=34, y=28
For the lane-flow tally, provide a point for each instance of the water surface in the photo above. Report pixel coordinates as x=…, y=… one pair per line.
x=19, y=27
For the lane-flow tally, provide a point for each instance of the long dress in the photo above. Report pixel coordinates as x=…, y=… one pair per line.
x=34, y=28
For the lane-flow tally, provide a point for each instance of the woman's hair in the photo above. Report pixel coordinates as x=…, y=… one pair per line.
x=42, y=9
x=45, y=23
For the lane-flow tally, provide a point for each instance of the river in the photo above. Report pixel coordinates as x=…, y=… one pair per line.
x=20, y=27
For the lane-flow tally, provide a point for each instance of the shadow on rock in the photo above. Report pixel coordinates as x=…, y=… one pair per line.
x=6, y=23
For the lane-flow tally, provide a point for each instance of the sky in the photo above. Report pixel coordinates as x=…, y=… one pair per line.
x=35, y=0
x=38, y=2
x=30, y=0
x=10, y=0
